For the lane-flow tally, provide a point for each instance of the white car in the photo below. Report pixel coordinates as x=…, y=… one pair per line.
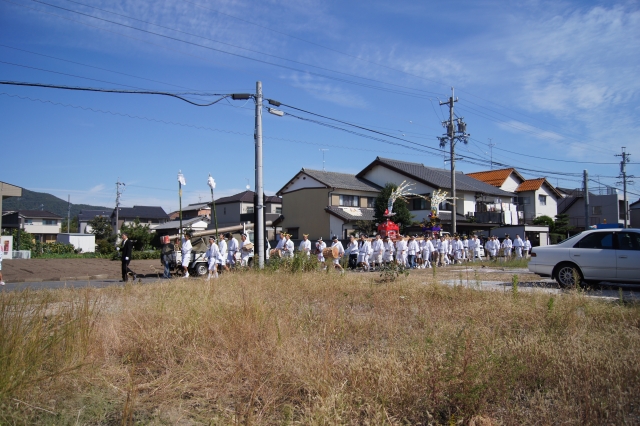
x=594, y=255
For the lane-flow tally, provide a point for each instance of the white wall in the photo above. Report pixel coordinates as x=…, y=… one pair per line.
x=551, y=209
x=38, y=228
x=382, y=175
x=304, y=181
x=84, y=242
x=511, y=183
x=335, y=228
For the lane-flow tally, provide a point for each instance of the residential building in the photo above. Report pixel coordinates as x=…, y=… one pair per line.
x=87, y=215
x=7, y=190
x=605, y=207
x=192, y=211
x=240, y=208
x=473, y=195
x=534, y=197
x=173, y=227
x=323, y=204
x=43, y=225
x=634, y=214
x=148, y=215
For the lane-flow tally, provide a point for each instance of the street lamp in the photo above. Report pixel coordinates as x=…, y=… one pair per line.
x=259, y=208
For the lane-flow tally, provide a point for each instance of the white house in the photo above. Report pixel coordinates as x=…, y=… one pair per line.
x=534, y=197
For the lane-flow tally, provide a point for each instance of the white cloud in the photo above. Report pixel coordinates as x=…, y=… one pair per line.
x=519, y=127
x=97, y=188
x=326, y=91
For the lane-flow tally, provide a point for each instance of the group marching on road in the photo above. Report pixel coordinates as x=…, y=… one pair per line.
x=361, y=253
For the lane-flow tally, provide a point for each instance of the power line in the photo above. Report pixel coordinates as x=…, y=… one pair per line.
x=384, y=89
x=91, y=89
x=240, y=47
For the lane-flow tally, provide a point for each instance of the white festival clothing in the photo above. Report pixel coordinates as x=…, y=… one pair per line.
x=289, y=247
x=305, y=247
x=186, y=252
x=320, y=245
x=213, y=254
x=336, y=261
x=232, y=248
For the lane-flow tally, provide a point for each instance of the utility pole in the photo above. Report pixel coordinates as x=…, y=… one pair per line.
x=452, y=137
x=68, y=213
x=259, y=229
x=118, y=193
x=491, y=145
x=323, y=150
x=624, y=177
x=586, y=200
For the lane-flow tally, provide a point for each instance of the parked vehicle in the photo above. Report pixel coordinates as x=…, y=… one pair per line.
x=591, y=256
x=198, y=264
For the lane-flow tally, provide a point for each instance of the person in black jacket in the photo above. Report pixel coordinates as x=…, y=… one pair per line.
x=127, y=247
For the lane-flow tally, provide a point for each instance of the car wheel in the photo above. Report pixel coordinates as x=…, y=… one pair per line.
x=568, y=275
x=201, y=269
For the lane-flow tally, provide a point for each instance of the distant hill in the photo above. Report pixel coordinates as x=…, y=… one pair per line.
x=32, y=200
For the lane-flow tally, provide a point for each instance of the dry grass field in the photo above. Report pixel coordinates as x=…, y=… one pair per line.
x=316, y=348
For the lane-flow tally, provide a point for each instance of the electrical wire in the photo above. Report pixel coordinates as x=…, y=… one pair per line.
x=243, y=48
x=91, y=89
x=384, y=89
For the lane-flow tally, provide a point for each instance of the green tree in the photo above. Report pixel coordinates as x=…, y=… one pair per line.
x=402, y=215
x=139, y=234
x=544, y=220
x=100, y=227
x=74, y=226
x=27, y=241
x=561, y=225
x=367, y=227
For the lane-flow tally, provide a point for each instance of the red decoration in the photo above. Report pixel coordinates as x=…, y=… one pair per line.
x=389, y=229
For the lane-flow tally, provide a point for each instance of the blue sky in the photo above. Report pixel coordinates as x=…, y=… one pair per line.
x=542, y=80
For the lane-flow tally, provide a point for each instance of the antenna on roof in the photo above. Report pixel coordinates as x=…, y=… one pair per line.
x=323, y=150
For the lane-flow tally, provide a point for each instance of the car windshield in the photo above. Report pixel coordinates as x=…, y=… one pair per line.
x=570, y=238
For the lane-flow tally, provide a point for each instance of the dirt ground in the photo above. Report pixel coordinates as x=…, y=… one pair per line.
x=26, y=270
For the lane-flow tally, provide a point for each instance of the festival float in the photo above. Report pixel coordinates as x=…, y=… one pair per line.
x=388, y=227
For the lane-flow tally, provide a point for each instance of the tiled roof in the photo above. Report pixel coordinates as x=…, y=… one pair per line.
x=530, y=185
x=535, y=184
x=146, y=212
x=342, y=180
x=247, y=197
x=437, y=178
x=197, y=206
x=352, y=213
x=38, y=214
x=493, y=177
x=175, y=224
x=86, y=215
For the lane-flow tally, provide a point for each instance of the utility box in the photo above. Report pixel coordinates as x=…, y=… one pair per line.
x=82, y=242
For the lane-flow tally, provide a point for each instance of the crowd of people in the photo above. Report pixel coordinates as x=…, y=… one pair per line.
x=361, y=253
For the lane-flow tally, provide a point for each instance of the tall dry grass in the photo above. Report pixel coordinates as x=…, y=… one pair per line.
x=320, y=348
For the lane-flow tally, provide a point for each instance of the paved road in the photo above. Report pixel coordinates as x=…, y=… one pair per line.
x=529, y=282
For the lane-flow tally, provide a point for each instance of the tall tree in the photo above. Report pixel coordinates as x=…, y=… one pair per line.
x=402, y=215
x=139, y=234
x=100, y=227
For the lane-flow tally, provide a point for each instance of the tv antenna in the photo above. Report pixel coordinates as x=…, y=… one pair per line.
x=323, y=150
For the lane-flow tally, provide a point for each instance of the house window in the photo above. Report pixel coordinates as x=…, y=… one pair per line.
x=224, y=210
x=349, y=201
x=279, y=210
x=524, y=200
x=371, y=202
x=28, y=221
x=293, y=232
x=250, y=209
x=597, y=210
x=49, y=222
x=419, y=204
x=542, y=199
x=621, y=209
